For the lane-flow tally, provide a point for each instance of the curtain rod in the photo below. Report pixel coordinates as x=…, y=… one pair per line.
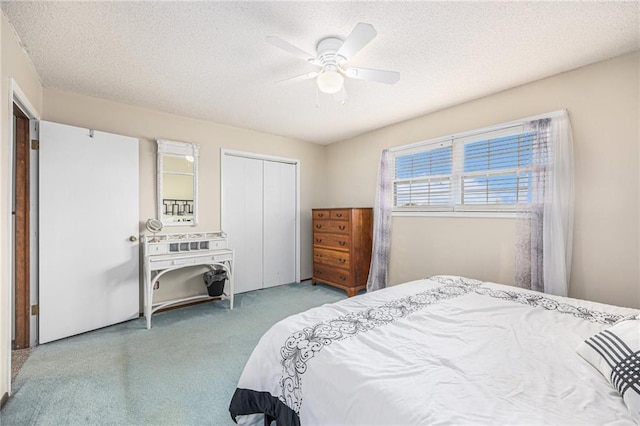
x=468, y=133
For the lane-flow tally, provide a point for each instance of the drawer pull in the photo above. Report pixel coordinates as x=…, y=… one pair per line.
x=320, y=214
x=318, y=272
x=342, y=243
x=341, y=260
x=318, y=226
x=318, y=255
x=339, y=214
x=341, y=227
x=318, y=240
x=343, y=278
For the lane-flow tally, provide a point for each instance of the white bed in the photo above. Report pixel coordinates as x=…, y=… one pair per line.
x=446, y=350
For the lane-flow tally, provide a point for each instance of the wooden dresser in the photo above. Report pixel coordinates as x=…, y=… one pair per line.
x=342, y=247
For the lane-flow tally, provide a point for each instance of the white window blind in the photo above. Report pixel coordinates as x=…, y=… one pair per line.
x=423, y=178
x=486, y=171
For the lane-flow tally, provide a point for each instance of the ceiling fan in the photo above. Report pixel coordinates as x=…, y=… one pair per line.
x=332, y=53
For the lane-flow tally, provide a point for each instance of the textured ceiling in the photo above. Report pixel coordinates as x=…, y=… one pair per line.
x=209, y=60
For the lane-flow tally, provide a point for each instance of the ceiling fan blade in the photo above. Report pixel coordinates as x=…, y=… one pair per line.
x=359, y=37
x=290, y=48
x=341, y=96
x=380, y=76
x=300, y=77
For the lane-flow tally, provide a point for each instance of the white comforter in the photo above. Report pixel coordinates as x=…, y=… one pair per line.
x=447, y=350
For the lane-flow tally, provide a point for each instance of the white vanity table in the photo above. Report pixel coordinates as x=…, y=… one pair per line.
x=168, y=252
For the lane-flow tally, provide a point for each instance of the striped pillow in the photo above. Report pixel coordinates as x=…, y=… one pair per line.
x=615, y=352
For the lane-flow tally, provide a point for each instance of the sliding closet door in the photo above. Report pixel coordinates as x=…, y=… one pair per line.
x=242, y=218
x=260, y=217
x=279, y=223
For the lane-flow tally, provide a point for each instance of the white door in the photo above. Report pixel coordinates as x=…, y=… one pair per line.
x=260, y=217
x=279, y=250
x=242, y=219
x=88, y=212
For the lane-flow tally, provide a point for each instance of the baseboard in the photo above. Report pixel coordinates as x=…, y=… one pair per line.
x=3, y=400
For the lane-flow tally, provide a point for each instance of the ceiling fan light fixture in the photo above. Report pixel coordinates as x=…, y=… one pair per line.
x=330, y=82
x=332, y=53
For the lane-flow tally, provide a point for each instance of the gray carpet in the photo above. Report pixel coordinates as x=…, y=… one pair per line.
x=18, y=358
x=181, y=372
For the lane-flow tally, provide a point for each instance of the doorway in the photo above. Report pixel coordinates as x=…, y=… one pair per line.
x=21, y=233
x=21, y=245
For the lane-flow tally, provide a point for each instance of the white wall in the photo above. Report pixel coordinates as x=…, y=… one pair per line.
x=603, y=104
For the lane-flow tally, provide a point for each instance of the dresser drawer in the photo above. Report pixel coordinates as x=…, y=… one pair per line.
x=177, y=260
x=331, y=240
x=326, y=273
x=332, y=226
x=321, y=214
x=340, y=214
x=155, y=264
x=336, y=258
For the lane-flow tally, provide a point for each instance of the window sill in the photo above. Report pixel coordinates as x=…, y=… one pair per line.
x=493, y=215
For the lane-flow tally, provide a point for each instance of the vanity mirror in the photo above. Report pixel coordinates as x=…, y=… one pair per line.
x=177, y=182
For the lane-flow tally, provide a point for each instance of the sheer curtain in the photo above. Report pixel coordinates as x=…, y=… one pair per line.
x=545, y=226
x=381, y=226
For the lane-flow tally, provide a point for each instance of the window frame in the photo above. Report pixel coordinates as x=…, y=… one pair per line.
x=431, y=146
x=458, y=141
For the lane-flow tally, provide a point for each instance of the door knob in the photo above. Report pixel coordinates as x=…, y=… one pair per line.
x=133, y=238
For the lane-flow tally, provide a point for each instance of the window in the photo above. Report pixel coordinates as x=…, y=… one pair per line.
x=423, y=178
x=487, y=171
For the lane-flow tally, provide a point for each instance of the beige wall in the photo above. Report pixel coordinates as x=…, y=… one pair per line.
x=147, y=125
x=603, y=104
x=15, y=64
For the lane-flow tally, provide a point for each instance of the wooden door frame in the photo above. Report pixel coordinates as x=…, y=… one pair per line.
x=17, y=97
x=21, y=228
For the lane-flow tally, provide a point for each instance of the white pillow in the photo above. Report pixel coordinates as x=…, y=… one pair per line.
x=615, y=352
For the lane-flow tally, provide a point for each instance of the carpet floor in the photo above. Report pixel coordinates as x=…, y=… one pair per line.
x=181, y=372
x=18, y=358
